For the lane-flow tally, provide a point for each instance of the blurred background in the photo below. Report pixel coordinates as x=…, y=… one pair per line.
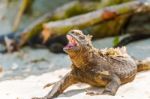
x=32, y=32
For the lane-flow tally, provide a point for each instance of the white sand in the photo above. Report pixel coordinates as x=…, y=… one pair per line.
x=33, y=86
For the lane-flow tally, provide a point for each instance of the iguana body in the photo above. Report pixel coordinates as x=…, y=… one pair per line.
x=108, y=68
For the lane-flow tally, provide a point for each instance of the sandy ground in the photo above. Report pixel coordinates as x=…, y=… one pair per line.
x=33, y=86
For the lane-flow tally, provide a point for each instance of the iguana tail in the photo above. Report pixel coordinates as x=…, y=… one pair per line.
x=143, y=65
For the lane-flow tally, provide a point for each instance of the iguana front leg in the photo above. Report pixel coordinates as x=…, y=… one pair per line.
x=60, y=86
x=112, y=87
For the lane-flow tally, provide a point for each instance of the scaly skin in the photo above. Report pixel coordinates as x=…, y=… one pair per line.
x=102, y=68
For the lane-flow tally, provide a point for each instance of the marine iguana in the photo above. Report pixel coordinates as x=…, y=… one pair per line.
x=107, y=68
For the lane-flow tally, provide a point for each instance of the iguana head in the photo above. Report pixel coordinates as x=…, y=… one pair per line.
x=78, y=42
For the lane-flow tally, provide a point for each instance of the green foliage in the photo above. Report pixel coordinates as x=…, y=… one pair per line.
x=116, y=40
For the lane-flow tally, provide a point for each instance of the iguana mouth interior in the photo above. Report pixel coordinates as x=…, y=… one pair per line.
x=72, y=42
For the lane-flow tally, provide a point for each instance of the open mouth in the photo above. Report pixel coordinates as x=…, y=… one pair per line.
x=72, y=42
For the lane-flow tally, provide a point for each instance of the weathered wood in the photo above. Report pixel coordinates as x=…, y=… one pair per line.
x=109, y=28
x=70, y=9
x=91, y=18
x=25, y=6
x=63, y=12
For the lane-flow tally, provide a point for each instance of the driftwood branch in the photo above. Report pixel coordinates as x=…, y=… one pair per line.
x=91, y=18
x=63, y=12
x=25, y=6
x=109, y=28
x=68, y=10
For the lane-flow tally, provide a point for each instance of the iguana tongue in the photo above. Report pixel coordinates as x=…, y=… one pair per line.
x=70, y=45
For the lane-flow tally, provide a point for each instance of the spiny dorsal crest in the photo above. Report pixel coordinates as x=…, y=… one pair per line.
x=89, y=37
x=113, y=52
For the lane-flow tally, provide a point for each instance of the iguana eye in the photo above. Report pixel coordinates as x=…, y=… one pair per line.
x=75, y=32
